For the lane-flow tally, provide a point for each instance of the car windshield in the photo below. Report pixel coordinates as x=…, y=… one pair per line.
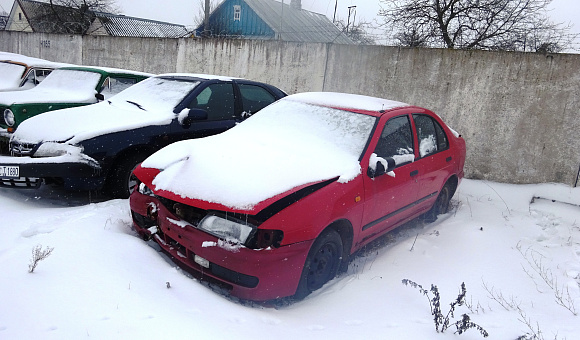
x=71, y=80
x=155, y=94
x=11, y=74
x=293, y=121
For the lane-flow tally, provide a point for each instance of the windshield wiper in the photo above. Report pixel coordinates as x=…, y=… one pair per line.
x=136, y=104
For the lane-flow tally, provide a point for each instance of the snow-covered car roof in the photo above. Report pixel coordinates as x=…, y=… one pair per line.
x=346, y=101
x=267, y=154
x=198, y=75
x=30, y=61
x=112, y=70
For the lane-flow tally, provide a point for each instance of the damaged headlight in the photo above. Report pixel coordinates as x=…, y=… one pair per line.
x=52, y=149
x=229, y=229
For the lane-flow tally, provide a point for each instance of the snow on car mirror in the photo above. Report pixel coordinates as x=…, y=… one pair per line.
x=380, y=165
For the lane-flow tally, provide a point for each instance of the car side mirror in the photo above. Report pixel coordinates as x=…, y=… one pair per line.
x=192, y=116
x=380, y=167
x=100, y=96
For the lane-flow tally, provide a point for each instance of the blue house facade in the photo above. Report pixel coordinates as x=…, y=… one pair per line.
x=271, y=20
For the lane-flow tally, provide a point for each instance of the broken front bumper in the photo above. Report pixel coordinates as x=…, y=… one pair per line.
x=251, y=274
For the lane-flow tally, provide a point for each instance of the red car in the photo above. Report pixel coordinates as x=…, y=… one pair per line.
x=275, y=206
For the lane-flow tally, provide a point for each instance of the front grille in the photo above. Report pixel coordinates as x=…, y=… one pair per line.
x=22, y=149
x=185, y=212
x=21, y=183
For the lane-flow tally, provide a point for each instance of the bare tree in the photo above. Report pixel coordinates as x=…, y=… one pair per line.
x=69, y=16
x=199, y=17
x=516, y=25
x=359, y=33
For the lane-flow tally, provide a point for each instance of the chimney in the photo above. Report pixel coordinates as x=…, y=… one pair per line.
x=296, y=4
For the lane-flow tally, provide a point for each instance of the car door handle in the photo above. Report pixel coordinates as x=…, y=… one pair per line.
x=448, y=159
x=414, y=173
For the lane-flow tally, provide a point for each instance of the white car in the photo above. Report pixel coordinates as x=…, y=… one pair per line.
x=19, y=72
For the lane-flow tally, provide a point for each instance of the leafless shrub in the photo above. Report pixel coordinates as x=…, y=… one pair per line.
x=507, y=303
x=535, y=261
x=442, y=322
x=38, y=255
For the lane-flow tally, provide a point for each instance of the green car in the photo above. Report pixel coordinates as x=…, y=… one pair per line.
x=63, y=88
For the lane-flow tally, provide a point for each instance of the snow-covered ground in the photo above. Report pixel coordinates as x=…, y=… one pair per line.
x=520, y=262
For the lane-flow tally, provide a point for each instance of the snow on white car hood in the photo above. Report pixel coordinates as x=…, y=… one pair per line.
x=285, y=145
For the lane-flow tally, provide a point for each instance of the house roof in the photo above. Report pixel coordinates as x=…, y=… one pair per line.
x=45, y=18
x=292, y=24
x=124, y=26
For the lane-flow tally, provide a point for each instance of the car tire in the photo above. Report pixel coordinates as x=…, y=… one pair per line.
x=322, y=263
x=441, y=205
x=120, y=181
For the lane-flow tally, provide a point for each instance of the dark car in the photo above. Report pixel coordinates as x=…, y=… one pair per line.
x=273, y=207
x=97, y=146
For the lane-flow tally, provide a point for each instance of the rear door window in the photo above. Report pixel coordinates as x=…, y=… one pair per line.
x=431, y=136
x=254, y=98
x=217, y=100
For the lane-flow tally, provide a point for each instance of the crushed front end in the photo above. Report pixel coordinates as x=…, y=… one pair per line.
x=229, y=250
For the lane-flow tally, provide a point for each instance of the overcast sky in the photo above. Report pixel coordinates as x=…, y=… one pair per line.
x=185, y=12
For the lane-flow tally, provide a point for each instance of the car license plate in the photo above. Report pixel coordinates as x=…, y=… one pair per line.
x=10, y=171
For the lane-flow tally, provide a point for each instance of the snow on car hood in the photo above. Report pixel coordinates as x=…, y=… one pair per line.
x=81, y=123
x=285, y=145
x=60, y=86
x=156, y=97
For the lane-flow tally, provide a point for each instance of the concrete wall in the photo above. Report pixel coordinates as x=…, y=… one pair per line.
x=519, y=112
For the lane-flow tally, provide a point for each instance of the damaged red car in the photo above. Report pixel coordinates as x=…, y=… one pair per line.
x=275, y=206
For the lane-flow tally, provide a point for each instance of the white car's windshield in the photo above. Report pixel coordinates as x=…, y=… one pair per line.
x=71, y=80
x=10, y=75
x=155, y=94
